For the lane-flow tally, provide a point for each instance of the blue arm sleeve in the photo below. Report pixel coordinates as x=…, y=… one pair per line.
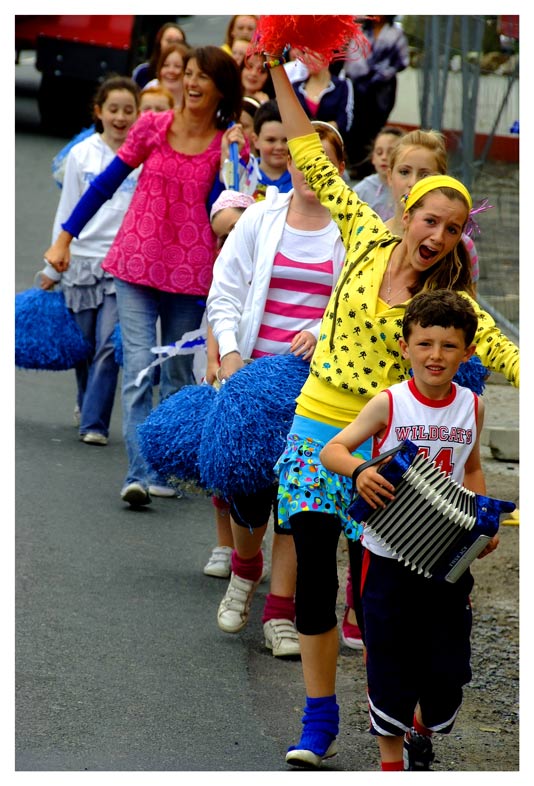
x=216, y=189
x=101, y=189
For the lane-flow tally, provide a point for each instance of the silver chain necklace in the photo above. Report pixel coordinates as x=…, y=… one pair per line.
x=388, y=285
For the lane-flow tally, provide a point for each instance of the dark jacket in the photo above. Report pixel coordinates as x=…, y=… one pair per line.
x=335, y=103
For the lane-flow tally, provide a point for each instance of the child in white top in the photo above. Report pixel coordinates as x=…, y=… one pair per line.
x=89, y=292
x=413, y=156
x=417, y=629
x=226, y=211
x=262, y=268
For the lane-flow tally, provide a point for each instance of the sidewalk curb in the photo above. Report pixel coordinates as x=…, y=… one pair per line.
x=503, y=442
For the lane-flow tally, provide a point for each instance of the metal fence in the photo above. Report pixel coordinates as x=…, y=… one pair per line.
x=458, y=40
x=498, y=243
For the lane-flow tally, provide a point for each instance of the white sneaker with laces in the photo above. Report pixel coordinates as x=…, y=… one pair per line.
x=234, y=608
x=219, y=562
x=282, y=638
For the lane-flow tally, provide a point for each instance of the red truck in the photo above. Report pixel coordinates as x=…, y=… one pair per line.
x=75, y=53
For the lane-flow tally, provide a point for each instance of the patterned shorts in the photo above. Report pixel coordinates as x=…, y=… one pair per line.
x=305, y=485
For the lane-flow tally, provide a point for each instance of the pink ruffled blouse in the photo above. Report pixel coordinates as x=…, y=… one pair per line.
x=165, y=240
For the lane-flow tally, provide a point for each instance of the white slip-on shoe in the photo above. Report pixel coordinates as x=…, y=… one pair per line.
x=282, y=638
x=219, y=562
x=301, y=757
x=234, y=608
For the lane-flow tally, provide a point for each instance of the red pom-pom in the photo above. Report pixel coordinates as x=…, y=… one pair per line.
x=314, y=38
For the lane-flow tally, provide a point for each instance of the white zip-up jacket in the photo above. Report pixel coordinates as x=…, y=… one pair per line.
x=242, y=274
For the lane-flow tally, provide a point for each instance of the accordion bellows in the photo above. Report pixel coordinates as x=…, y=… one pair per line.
x=434, y=525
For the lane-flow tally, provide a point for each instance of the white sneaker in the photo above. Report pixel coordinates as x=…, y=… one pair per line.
x=264, y=571
x=234, y=608
x=164, y=491
x=94, y=438
x=135, y=495
x=282, y=638
x=219, y=562
x=302, y=757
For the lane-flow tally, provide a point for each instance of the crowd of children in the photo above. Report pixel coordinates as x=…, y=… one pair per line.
x=363, y=282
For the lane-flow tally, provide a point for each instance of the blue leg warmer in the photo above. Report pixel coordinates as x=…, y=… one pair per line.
x=321, y=724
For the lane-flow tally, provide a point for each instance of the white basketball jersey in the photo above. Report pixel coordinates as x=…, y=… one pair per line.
x=444, y=431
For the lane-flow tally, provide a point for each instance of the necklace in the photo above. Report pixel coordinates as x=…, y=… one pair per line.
x=389, y=294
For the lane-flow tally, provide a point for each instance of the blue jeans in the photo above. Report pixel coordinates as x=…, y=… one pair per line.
x=96, y=377
x=139, y=309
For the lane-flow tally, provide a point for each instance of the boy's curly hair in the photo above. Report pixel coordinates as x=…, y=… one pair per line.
x=441, y=307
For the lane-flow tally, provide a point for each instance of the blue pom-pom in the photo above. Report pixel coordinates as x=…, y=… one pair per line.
x=59, y=161
x=116, y=340
x=46, y=334
x=169, y=438
x=472, y=374
x=245, y=432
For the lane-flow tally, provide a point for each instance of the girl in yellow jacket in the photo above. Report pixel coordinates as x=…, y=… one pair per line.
x=357, y=356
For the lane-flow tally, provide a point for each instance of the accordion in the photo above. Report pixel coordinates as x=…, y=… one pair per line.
x=434, y=525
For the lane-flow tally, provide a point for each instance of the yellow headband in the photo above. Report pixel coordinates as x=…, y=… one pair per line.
x=427, y=184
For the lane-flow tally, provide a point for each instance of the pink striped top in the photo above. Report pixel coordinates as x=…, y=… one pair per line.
x=300, y=287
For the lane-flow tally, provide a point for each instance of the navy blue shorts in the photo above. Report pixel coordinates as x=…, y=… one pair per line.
x=417, y=636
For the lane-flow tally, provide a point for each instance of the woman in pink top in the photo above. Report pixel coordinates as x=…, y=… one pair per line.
x=162, y=255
